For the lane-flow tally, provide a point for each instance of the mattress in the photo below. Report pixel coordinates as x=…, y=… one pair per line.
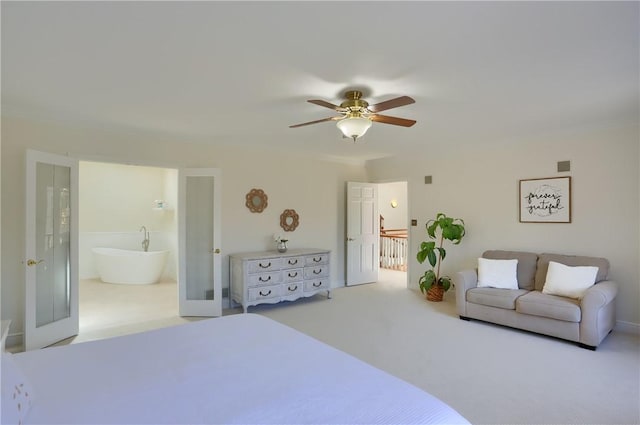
x=239, y=369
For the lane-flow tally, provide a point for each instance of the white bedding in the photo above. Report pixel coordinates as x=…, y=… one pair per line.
x=244, y=369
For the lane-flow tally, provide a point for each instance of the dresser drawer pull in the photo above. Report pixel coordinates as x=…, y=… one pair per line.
x=317, y=271
x=317, y=285
x=265, y=267
x=317, y=260
x=292, y=275
x=292, y=262
x=264, y=280
x=292, y=289
x=267, y=294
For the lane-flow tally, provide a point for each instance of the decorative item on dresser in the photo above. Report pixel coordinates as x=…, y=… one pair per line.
x=271, y=277
x=281, y=243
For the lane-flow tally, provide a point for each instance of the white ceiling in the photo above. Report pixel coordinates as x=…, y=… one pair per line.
x=241, y=72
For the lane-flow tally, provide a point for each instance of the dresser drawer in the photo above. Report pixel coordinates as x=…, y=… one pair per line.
x=265, y=265
x=263, y=292
x=292, y=262
x=313, y=260
x=261, y=279
x=316, y=271
x=293, y=288
x=315, y=284
x=292, y=275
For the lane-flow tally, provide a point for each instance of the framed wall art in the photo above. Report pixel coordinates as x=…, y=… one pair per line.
x=545, y=200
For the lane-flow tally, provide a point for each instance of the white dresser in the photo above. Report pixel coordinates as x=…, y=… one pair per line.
x=271, y=277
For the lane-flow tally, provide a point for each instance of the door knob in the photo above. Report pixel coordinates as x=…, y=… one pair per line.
x=31, y=262
x=216, y=251
x=350, y=239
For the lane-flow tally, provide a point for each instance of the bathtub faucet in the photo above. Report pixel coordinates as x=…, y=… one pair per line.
x=145, y=241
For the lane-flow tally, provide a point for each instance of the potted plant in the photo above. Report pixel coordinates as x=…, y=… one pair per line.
x=441, y=228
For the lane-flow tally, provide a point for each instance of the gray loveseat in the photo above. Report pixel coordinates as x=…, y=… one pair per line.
x=586, y=321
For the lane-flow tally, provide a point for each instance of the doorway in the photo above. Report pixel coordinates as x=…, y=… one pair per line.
x=377, y=232
x=120, y=207
x=108, y=202
x=393, y=208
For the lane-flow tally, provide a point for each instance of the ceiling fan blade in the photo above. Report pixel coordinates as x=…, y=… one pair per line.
x=316, y=121
x=385, y=119
x=393, y=103
x=326, y=104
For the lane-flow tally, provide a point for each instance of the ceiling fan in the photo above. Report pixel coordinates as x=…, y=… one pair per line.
x=357, y=114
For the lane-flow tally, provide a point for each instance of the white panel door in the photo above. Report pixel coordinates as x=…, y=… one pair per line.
x=199, y=267
x=51, y=249
x=363, y=233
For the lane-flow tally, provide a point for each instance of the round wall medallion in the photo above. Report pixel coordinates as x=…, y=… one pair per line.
x=256, y=200
x=289, y=220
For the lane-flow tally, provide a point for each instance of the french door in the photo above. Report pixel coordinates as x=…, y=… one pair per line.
x=199, y=268
x=363, y=233
x=51, y=249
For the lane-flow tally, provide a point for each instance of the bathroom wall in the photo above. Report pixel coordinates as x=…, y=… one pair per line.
x=115, y=201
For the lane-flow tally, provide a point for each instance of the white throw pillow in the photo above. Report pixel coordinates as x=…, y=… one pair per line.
x=17, y=394
x=497, y=273
x=569, y=281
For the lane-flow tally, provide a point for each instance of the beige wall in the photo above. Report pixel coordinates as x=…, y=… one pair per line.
x=394, y=218
x=313, y=187
x=480, y=185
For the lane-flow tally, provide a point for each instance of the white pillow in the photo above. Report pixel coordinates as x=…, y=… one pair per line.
x=497, y=273
x=17, y=393
x=569, y=281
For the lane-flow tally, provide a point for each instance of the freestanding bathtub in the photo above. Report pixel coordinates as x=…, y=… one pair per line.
x=129, y=267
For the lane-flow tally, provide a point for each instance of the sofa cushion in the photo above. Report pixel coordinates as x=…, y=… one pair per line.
x=495, y=297
x=569, y=281
x=497, y=273
x=526, y=265
x=536, y=303
x=569, y=260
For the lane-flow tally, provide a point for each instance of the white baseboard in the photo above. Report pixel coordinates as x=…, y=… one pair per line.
x=628, y=327
x=14, y=342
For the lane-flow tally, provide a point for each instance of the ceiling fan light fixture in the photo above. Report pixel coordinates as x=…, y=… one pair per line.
x=354, y=127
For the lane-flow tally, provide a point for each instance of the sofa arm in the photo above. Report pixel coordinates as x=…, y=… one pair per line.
x=598, y=312
x=463, y=281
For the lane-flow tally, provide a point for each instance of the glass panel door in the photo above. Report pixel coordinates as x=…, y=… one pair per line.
x=199, y=281
x=51, y=302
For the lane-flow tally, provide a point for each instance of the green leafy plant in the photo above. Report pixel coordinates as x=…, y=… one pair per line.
x=439, y=229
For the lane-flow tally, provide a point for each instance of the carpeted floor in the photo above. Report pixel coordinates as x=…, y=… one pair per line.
x=490, y=374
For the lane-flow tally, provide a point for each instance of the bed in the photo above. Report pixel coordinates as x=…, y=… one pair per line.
x=238, y=369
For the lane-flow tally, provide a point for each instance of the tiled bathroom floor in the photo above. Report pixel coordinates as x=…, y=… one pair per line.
x=110, y=310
